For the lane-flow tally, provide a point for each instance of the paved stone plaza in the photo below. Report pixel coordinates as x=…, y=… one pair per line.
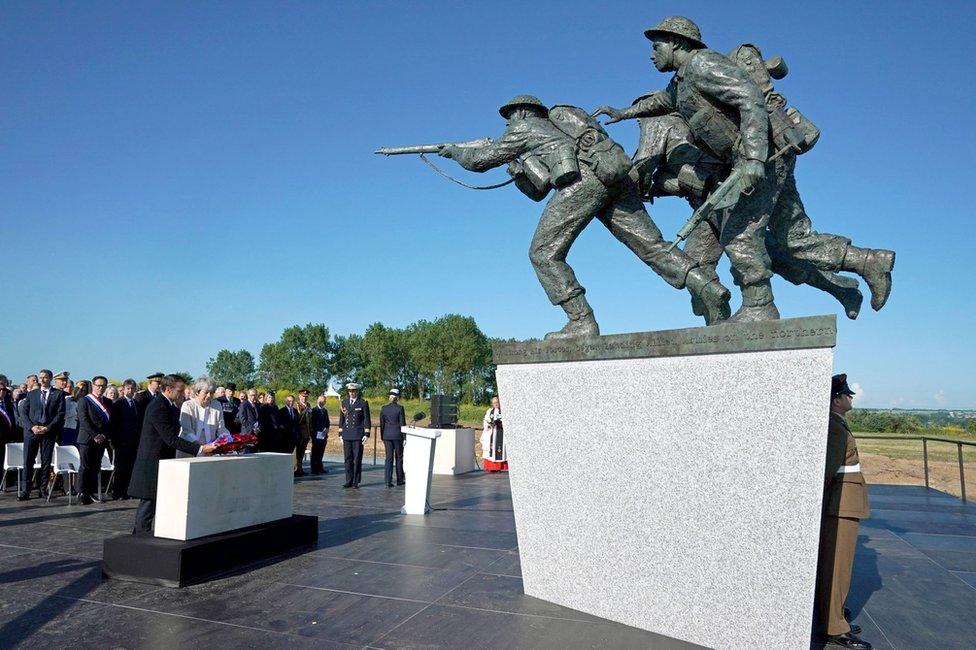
x=448, y=580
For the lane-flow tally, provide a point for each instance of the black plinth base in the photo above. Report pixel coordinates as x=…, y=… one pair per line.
x=175, y=563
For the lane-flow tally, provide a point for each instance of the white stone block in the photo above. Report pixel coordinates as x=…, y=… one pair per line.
x=679, y=495
x=455, y=452
x=207, y=495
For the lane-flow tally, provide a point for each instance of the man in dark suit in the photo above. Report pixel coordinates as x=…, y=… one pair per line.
x=247, y=414
x=125, y=438
x=392, y=419
x=143, y=397
x=320, y=435
x=229, y=405
x=269, y=427
x=288, y=420
x=354, y=425
x=304, y=429
x=160, y=440
x=9, y=430
x=94, y=425
x=43, y=421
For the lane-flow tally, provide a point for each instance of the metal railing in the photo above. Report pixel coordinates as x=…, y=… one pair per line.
x=925, y=455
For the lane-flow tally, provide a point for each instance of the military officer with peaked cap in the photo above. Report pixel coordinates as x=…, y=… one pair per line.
x=392, y=420
x=144, y=396
x=845, y=503
x=354, y=425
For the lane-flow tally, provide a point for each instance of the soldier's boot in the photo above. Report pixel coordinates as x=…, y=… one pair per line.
x=757, y=304
x=709, y=298
x=843, y=288
x=581, y=322
x=874, y=265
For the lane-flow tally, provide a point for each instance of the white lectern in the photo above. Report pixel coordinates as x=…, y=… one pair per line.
x=418, y=465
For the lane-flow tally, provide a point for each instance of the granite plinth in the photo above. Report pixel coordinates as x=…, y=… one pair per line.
x=209, y=495
x=178, y=563
x=693, y=507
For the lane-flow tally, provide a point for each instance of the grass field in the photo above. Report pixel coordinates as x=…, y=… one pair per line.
x=895, y=458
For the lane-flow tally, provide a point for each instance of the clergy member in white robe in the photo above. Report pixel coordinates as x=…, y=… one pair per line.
x=493, y=439
x=199, y=421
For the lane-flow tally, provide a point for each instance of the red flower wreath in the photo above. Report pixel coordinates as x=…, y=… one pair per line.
x=234, y=443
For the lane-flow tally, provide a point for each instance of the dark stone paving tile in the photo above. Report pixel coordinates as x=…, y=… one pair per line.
x=74, y=540
x=10, y=551
x=28, y=617
x=915, y=602
x=442, y=626
x=509, y=565
x=953, y=552
x=967, y=577
x=249, y=601
x=67, y=577
x=129, y=628
x=504, y=594
x=390, y=546
x=472, y=520
x=367, y=578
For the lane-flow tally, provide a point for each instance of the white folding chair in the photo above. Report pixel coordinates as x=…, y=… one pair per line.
x=107, y=466
x=13, y=459
x=66, y=461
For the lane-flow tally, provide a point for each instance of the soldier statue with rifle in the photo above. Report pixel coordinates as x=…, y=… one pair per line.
x=745, y=133
x=566, y=149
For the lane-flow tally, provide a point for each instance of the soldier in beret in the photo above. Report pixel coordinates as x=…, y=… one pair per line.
x=845, y=503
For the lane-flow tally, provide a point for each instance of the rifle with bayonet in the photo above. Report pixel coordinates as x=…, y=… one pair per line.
x=725, y=196
x=430, y=148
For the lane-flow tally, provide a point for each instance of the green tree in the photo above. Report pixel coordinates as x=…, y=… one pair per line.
x=386, y=359
x=237, y=367
x=300, y=358
x=347, y=358
x=450, y=356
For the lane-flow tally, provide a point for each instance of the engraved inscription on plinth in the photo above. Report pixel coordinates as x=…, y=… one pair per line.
x=788, y=334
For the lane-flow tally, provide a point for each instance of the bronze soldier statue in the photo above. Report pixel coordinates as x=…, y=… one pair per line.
x=726, y=112
x=567, y=149
x=733, y=116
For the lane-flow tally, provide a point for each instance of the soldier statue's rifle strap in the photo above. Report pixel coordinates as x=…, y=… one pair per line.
x=462, y=183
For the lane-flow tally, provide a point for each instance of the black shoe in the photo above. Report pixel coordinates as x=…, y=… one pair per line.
x=85, y=500
x=24, y=497
x=347, y=485
x=848, y=640
x=399, y=483
x=389, y=485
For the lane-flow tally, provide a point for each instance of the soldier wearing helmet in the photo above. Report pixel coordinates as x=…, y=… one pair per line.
x=727, y=115
x=591, y=176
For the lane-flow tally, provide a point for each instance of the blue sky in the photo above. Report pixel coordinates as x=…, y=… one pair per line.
x=176, y=178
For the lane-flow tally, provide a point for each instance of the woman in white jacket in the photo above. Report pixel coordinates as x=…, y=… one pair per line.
x=199, y=421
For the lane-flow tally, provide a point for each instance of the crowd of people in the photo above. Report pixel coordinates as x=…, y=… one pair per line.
x=48, y=410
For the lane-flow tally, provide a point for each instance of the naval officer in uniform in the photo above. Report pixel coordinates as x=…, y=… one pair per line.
x=354, y=425
x=392, y=419
x=845, y=503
